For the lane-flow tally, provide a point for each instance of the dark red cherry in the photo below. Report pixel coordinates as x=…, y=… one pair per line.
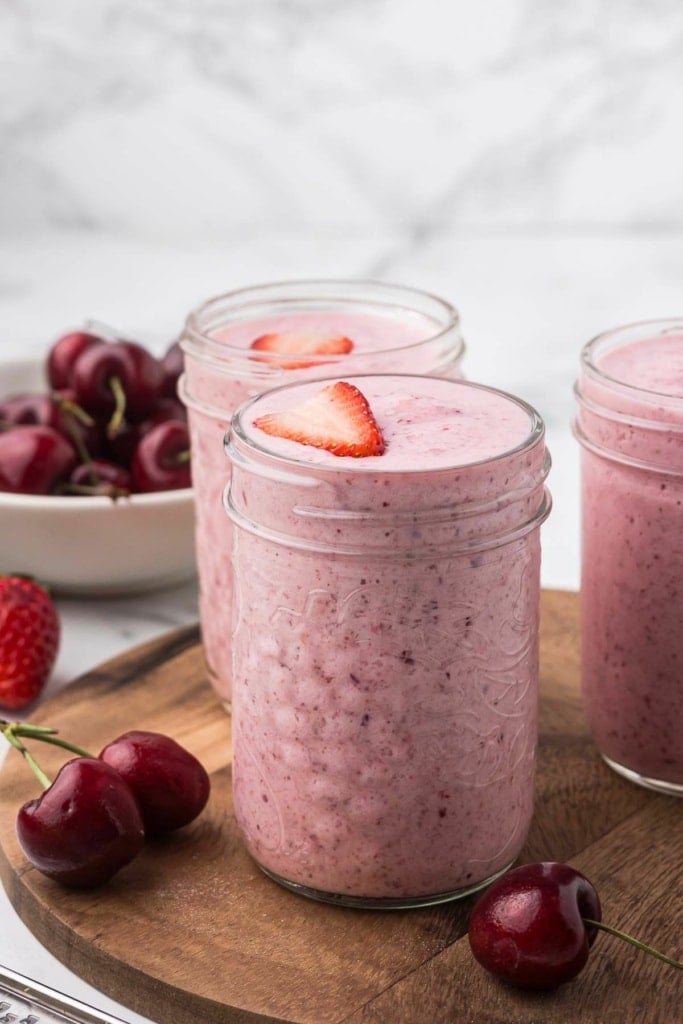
x=84, y=828
x=63, y=355
x=164, y=409
x=161, y=460
x=33, y=460
x=30, y=410
x=172, y=364
x=121, y=447
x=99, y=477
x=528, y=928
x=58, y=411
x=120, y=376
x=170, y=784
x=87, y=437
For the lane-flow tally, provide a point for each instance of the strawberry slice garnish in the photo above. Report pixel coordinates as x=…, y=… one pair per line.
x=338, y=419
x=302, y=343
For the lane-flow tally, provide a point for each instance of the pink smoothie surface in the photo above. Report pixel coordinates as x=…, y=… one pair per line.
x=426, y=424
x=652, y=364
x=214, y=387
x=367, y=331
x=385, y=644
x=632, y=592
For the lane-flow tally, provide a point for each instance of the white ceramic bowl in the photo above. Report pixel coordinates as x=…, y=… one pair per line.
x=81, y=545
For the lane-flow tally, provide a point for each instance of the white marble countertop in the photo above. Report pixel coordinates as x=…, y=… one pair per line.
x=528, y=303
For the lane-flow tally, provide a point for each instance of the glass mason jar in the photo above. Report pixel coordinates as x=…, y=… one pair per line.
x=629, y=423
x=390, y=328
x=385, y=644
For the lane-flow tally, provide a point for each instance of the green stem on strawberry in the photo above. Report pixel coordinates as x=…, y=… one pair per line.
x=116, y=421
x=42, y=733
x=28, y=757
x=634, y=942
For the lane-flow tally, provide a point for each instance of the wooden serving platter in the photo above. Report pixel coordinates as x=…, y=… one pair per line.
x=193, y=932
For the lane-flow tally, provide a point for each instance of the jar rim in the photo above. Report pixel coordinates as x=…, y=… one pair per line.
x=473, y=545
x=198, y=339
x=237, y=431
x=658, y=326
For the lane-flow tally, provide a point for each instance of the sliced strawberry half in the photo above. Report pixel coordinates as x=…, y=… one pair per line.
x=302, y=343
x=338, y=419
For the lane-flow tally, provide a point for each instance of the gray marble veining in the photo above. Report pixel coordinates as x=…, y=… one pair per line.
x=192, y=119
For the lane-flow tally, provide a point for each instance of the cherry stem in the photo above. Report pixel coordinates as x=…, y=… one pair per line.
x=14, y=740
x=42, y=733
x=634, y=942
x=114, y=425
x=83, y=453
x=72, y=409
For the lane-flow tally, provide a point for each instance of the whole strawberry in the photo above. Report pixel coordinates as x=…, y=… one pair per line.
x=29, y=639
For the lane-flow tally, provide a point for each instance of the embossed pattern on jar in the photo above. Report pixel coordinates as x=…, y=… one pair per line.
x=385, y=656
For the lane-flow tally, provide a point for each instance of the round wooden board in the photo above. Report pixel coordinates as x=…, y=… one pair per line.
x=192, y=931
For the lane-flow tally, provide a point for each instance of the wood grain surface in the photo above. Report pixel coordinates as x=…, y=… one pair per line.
x=193, y=932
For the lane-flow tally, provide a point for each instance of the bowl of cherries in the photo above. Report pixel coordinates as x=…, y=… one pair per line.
x=95, y=489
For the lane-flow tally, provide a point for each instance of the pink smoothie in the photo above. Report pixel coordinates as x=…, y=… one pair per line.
x=630, y=422
x=652, y=364
x=221, y=371
x=385, y=643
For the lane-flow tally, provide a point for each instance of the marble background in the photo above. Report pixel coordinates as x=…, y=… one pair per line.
x=522, y=158
x=193, y=119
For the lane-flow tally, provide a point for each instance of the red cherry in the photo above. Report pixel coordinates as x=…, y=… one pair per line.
x=33, y=460
x=84, y=828
x=30, y=410
x=528, y=928
x=170, y=784
x=161, y=460
x=119, y=376
x=172, y=364
x=121, y=448
x=87, y=437
x=63, y=355
x=99, y=477
x=164, y=409
x=58, y=411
